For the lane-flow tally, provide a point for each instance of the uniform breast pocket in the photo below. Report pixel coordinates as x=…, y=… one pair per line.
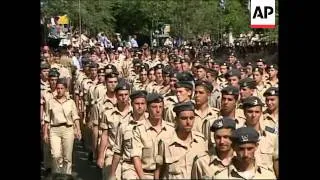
x=266, y=156
x=174, y=169
x=127, y=140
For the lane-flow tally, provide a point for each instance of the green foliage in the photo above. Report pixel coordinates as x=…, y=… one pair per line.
x=187, y=18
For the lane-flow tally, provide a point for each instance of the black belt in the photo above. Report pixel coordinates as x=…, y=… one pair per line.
x=61, y=124
x=148, y=171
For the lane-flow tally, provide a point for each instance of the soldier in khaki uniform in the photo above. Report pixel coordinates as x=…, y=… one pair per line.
x=243, y=166
x=261, y=86
x=184, y=91
x=270, y=115
x=99, y=92
x=273, y=80
x=233, y=77
x=123, y=142
x=203, y=112
x=249, y=68
x=215, y=97
x=223, y=70
x=151, y=75
x=47, y=96
x=201, y=72
x=110, y=121
x=142, y=83
x=175, y=156
x=44, y=72
x=155, y=87
x=247, y=89
x=243, y=73
x=267, y=151
x=219, y=158
x=146, y=138
x=262, y=64
x=170, y=98
x=62, y=115
x=165, y=88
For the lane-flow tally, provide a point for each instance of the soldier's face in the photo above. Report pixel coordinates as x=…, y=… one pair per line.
x=245, y=92
x=272, y=72
x=223, y=69
x=228, y=103
x=243, y=74
x=111, y=84
x=166, y=79
x=159, y=74
x=101, y=78
x=249, y=69
x=209, y=77
x=94, y=57
x=234, y=81
x=60, y=90
x=232, y=59
x=185, y=121
x=272, y=102
x=222, y=139
x=151, y=76
x=44, y=74
x=178, y=66
x=93, y=72
x=53, y=81
x=245, y=152
x=216, y=67
x=139, y=105
x=257, y=77
x=122, y=97
x=238, y=66
x=201, y=95
x=253, y=115
x=143, y=76
x=260, y=65
x=201, y=74
x=185, y=66
x=183, y=94
x=173, y=82
x=155, y=110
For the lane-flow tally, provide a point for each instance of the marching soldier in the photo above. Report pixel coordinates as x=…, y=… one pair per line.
x=273, y=75
x=110, y=121
x=215, y=97
x=247, y=89
x=267, y=151
x=175, y=156
x=219, y=157
x=143, y=79
x=164, y=89
x=271, y=114
x=262, y=64
x=44, y=72
x=233, y=77
x=146, y=138
x=261, y=86
x=243, y=165
x=249, y=68
x=123, y=142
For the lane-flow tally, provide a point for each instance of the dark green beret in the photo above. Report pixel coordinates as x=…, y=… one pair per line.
x=44, y=66
x=251, y=102
x=230, y=90
x=247, y=82
x=224, y=122
x=185, y=76
x=205, y=84
x=154, y=98
x=271, y=91
x=122, y=85
x=184, y=84
x=245, y=135
x=138, y=94
x=233, y=72
x=184, y=106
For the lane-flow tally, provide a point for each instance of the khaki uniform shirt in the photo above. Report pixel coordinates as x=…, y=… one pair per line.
x=145, y=142
x=124, y=137
x=178, y=156
x=201, y=121
x=260, y=90
x=270, y=121
x=207, y=165
x=65, y=112
x=111, y=120
x=259, y=172
x=99, y=92
x=151, y=87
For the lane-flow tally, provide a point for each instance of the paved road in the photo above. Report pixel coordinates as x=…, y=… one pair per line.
x=82, y=169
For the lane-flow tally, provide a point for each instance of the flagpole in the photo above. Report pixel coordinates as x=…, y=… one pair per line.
x=80, y=25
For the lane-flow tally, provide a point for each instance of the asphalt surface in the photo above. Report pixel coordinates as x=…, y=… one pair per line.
x=82, y=168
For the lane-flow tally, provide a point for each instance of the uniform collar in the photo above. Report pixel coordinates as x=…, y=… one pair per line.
x=149, y=125
x=214, y=158
x=235, y=173
x=177, y=140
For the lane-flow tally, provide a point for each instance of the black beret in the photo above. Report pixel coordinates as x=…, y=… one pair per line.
x=233, y=72
x=44, y=66
x=260, y=60
x=201, y=66
x=224, y=64
x=224, y=122
x=247, y=82
x=230, y=90
x=101, y=71
x=271, y=91
x=122, y=85
x=54, y=72
x=184, y=106
x=185, y=76
x=166, y=70
x=245, y=135
x=154, y=98
x=158, y=66
x=205, y=84
x=248, y=64
x=257, y=69
x=251, y=102
x=184, y=84
x=272, y=66
x=138, y=94
x=62, y=81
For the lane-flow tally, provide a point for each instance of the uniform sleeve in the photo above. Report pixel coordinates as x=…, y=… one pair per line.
x=136, y=143
x=74, y=110
x=276, y=148
x=103, y=123
x=169, y=114
x=117, y=148
x=46, y=116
